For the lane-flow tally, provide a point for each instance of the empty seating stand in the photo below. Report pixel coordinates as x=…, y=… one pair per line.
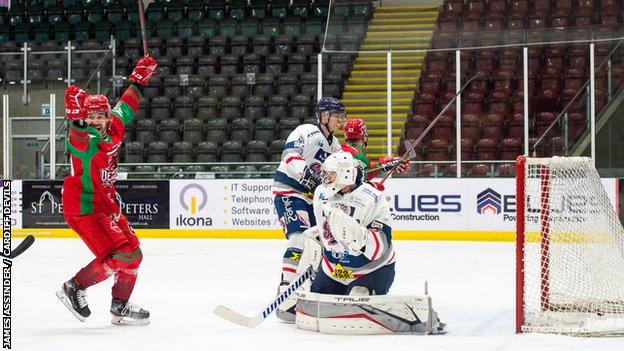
x=237, y=73
x=492, y=105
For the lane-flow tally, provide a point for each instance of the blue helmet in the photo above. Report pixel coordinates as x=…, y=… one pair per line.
x=328, y=104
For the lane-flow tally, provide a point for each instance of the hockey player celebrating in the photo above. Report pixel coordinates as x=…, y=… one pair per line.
x=95, y=134
x=297, y=177
x=356, y=140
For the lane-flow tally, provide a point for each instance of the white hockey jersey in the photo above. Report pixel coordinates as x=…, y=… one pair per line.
x=305, y=146
x=370, y=208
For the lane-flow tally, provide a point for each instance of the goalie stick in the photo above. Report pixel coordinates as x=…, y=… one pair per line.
x=251, y=322
x=424, y=133
x=23, y=246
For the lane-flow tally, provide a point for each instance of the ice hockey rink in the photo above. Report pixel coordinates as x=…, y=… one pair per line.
x=181, y=281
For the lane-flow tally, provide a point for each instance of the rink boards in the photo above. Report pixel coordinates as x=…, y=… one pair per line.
x=422, y=209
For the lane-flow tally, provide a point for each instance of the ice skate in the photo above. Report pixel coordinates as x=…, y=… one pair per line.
x=127, y=313
x=75, y=299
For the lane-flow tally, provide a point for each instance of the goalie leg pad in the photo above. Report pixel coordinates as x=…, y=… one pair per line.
x=367, y=315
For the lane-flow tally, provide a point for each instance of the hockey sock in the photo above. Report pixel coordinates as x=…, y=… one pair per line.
x=290, y=263
x=93, y=273
x=127, y=264
x=124, y=284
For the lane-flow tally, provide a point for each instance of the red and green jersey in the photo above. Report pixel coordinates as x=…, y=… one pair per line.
x=90, y=187
x=359, y=155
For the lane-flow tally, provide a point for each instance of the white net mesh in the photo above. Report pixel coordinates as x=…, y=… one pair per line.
x=573, y=250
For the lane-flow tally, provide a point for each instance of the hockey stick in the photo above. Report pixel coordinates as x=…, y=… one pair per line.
x=251, y=322
x=23, y=246
x=422, y=136
x=143, y=26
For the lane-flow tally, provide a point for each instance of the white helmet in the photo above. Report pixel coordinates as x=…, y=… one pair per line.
x=338, y=170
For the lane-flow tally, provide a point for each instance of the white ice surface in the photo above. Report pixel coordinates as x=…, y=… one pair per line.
x=181, y=281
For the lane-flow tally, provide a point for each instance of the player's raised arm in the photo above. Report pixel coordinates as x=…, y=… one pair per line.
x=130, y=99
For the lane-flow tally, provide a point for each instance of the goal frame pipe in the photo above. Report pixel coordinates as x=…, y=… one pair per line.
x=544, y=178
x=520, y=169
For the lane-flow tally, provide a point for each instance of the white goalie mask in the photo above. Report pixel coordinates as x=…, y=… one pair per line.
x=338, y=170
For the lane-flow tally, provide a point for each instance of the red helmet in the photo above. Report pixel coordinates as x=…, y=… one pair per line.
x=355, y=129
x=96, y=104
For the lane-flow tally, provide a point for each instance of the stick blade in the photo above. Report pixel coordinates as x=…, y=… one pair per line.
x=234, y=317
x=23, y=246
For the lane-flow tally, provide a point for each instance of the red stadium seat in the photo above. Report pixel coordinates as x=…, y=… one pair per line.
x=510, y=148
x=467, y=148
x=431, y=170
x=480, y=170
x=583, y=20
x=436, y=150
x=497, y=7
x=414, y=132
x=486, y=149
x=507, y=170
x=451, y=170
x=417, y=120
x=492, y=126
x=453, y=7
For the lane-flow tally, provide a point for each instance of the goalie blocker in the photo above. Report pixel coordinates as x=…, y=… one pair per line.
x=367, y=315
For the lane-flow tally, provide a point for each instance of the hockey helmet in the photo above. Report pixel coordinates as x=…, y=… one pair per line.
x=355, y=129
x=328, y=104
x=338, y=170
x=96, y=104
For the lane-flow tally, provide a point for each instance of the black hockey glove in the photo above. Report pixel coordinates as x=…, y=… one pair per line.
x=310, y=179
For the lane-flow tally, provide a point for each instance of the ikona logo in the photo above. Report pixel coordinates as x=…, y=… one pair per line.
x=193, y=199
x=488, y=202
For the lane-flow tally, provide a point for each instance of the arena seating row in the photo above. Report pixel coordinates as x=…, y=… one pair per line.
x=203, y=152
x=31, y=20
x=492, y=106
x=206, y=108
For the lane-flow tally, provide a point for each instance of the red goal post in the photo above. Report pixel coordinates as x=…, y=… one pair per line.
x=569, y=250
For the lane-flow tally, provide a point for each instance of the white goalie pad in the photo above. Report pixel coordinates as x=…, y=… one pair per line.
x=367, y=315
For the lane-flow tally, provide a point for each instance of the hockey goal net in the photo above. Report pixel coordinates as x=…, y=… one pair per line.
x=569, y=250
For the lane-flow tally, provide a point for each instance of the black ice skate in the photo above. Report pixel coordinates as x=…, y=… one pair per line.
x=75, y=299
x=127, y=313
